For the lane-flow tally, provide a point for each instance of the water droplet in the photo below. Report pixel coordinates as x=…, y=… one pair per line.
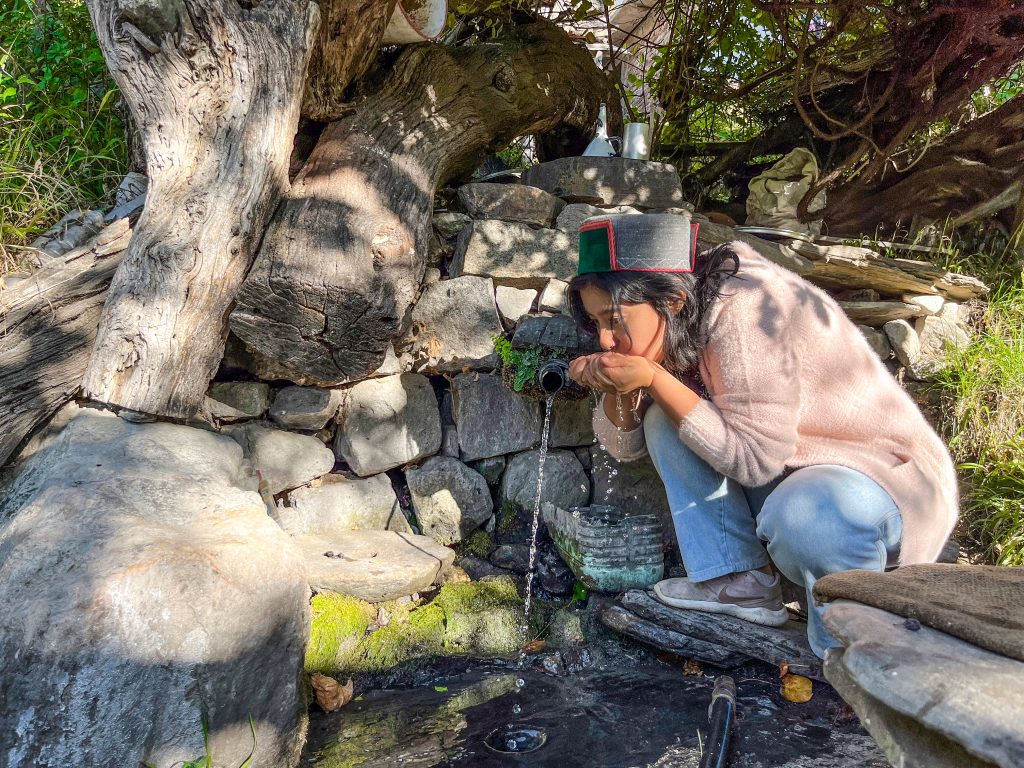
x=516, y=709
x=511, y=744
x=520, y=682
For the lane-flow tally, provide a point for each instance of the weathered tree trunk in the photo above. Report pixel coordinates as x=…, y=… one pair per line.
x=47, y=329
x=343, y=258
x=974, y=172
x=215, y=89
x=348, y=41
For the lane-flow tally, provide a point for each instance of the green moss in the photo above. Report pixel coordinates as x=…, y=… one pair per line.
x=475, y=618
x=509, y=515
x=339, y=623
x=478, y=544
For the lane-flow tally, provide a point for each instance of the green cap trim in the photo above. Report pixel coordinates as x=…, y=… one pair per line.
x=595, y=251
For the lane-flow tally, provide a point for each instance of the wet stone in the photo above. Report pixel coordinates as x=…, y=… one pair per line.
x=491, y=468
x=512, y=557
x=565, y=483
x=572, y=423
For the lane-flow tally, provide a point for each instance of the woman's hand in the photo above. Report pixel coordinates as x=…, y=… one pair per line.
x=611, y=372
x=627, y=372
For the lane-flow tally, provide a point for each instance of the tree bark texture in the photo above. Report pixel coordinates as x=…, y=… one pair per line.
x=343, y=258
x=955, y=179
x=47, y=329
x=215, y=89
x=347, y=43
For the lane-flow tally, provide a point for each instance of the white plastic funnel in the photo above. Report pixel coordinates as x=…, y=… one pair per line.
x=416, y=21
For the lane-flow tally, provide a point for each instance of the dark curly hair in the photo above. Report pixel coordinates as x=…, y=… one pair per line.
x=685, y=326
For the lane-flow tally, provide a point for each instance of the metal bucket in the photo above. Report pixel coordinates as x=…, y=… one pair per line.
x=417, y=23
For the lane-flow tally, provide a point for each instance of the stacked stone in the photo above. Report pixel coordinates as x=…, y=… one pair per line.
x=434, y=446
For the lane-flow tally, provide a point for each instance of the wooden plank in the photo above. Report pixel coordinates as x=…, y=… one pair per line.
x=618, y=618
x=47, y=330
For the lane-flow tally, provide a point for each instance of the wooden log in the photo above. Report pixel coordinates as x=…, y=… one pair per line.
x=215, y=90
x=769, y=644
x=347, y=42
x=47, y=329
x=618, y=618
x=343, y=258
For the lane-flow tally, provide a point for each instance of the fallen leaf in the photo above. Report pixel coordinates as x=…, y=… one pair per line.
x=797, y=688
x=330, y=694
x=783, y=669
x=691, y=667
x=440, y=688
x=534, y=646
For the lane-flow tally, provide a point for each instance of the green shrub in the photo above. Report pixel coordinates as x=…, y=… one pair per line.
x=982, y=396
x=61, y=139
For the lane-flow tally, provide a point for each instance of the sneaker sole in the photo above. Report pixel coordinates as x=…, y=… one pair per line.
x=764, y=616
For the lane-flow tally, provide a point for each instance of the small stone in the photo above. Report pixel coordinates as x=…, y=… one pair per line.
x=450, y=441
x=555, y=297
x=905, y=343
x=574, y=214
x=449, y=223
x=512, y=557
x=453, y=324
x=238, y=400
x=552, y=664
x=341, y=503
x=385, y=423
x=491, y=419
x=612, y=180
x=478, y=568
x=308, y=408
x=513, y=303
x=286, y=459
x=511, y=202
x=491, y=468
x=930, y=303
x=450, y=499
x=877, y=340
x=912, y=624
x=554, y=575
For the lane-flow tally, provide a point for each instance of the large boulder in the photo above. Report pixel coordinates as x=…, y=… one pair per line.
x=285, y=459
x=384, y=423
x=565, y=483
x=450, y=499
x=511, y=202
x=341, y=503
x=453, y=323
x=145, y=593
x=492, y=419
x=514, y=253
x=608, y=181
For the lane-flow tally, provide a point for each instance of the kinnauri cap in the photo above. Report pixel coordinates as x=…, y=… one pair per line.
x=653, y=242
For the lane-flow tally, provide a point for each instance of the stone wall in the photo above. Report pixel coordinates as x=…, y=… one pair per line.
x=439, y=442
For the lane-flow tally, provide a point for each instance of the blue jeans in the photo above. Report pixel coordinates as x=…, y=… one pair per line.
x=815, y=521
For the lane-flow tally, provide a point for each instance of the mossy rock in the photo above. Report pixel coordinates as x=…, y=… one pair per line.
x=478, y=543
x=480, y=618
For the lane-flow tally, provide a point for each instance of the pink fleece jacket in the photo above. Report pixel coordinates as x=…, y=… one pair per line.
x=793, y=383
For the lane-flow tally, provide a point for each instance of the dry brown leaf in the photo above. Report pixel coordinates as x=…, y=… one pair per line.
x=330, y=694
x=783, y=668
x=534, y=646
x=797, y=688
x=691, y=667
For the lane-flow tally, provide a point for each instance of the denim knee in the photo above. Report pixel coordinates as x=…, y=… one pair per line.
x=791, y=526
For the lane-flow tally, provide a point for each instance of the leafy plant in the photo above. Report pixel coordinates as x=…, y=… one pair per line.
x=525, y=363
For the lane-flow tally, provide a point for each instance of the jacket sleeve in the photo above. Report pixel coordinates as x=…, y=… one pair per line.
x=748, y=428
x=621, y=444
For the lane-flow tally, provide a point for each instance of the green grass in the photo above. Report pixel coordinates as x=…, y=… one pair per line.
x=982, y=396
x=62, y=143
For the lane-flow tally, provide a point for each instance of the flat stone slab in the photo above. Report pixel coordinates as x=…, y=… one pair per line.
x=926, y=681
x=373, y=565
x=609, y=181
x=515, y=253
x=511, y=202
x=878, y=313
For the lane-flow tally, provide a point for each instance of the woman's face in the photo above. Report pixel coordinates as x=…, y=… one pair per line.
x=646, y=328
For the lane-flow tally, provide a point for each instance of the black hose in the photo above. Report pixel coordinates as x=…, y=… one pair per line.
x=553, y=376
x=721, y=715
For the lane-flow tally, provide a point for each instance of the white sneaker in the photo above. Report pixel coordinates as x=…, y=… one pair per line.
x=753, y=596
